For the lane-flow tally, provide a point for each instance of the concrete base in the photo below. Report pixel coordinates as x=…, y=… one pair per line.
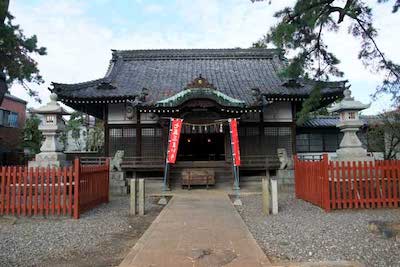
x=352, y=154
x=285, y=177
x=117, y=184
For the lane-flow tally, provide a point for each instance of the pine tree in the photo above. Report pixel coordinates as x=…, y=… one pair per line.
x=16, y=62
x=300, y=30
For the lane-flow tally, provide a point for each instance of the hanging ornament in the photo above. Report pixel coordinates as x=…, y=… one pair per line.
x=220, y=128
x=205, y=128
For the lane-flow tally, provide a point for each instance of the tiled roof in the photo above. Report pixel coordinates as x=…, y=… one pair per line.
x=164, y=73
x=332, y=121
x=14, y=98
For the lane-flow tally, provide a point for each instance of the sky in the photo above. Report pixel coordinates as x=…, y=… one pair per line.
x=79, y=35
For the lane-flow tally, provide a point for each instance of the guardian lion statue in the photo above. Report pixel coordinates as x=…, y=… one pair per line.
x=286, y=162
x=115, y=164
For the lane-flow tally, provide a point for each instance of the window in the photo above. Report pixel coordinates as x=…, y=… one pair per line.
x=318, y=142
x=8, y=118
x=152, y=145
x=13, y=119
x=302, y=143
x=331, y=142
x=122, y=139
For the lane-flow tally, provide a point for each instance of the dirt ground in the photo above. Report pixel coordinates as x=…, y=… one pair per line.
x=102, y=237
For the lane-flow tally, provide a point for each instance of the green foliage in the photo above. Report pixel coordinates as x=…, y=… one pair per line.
x=300, y=30
x=32, y=136
x=16, y=51
x=310, y=104
x=74, y=125
x=96, y=137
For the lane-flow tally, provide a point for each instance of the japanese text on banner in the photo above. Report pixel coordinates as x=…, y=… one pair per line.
x=235, y=141
x=175, y=131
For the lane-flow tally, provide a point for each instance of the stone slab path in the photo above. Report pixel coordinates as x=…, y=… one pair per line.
x=197, y=228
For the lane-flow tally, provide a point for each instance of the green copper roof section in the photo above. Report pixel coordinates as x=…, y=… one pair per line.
x=193, y=93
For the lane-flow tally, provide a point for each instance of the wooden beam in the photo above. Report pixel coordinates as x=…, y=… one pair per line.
x=294, y=112
x=138, y=134
x=106, y=131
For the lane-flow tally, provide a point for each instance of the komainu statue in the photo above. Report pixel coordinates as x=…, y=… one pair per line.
x=286, y=162
x=115, y=164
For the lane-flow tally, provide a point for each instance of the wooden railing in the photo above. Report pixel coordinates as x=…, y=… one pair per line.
x=346, y=185
x=143, y=162
x=259, y=161
x=52, y=191
x=256, y=161
x=93, y=160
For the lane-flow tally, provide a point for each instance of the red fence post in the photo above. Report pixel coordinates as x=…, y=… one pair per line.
x=296, y=175
x=325, y=183
x=107, y=180
x=77, y=173
x=2, y=195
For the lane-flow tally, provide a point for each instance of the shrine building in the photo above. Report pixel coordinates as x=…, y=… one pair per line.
x=142, y=89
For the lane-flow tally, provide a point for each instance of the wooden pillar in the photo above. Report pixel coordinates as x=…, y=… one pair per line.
x=294, y=126
x=274, y=193
x=106, y=131
x=265, y=193
x=261, y=132
x=141, y=194
x=132, y=206
x=138, y=134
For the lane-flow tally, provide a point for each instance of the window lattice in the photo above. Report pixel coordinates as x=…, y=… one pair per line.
x=122, y=139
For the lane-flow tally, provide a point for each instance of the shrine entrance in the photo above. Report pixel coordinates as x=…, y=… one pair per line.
x=202, y=147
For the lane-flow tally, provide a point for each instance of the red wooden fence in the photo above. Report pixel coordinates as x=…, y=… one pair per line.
x=346, y=185
x=52, y=191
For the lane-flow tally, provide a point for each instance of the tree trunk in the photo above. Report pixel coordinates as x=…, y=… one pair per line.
x=3, y=86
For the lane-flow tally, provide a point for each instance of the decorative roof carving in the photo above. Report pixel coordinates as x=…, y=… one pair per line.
x=200, y=82
x=259, y=99
x=105, y=86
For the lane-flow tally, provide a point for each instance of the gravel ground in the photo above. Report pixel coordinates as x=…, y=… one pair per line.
x=101, y=237
x=304, y=232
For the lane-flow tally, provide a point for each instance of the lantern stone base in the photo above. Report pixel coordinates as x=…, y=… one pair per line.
x=352, y=154
x=49, y=159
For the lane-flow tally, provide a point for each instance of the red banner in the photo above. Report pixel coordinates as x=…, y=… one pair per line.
x=235, y=141
x=174, y=134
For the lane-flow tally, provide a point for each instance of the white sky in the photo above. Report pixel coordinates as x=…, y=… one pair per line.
x=80, y=34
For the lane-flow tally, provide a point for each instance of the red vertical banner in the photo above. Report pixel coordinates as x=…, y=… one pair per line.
x=173, y=142
x=235, y=141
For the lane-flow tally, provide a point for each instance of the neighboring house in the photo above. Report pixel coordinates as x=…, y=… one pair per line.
x=320, y=135
x=12, y=122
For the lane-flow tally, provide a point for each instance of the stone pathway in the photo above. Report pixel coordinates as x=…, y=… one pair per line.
x=197, y=228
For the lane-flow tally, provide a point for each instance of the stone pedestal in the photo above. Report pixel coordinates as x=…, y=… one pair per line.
x=49, y=159
x=117, y=184
x=285, y=177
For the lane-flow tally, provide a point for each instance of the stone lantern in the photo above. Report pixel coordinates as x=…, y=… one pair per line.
x=349, y=124
x=52, y=125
